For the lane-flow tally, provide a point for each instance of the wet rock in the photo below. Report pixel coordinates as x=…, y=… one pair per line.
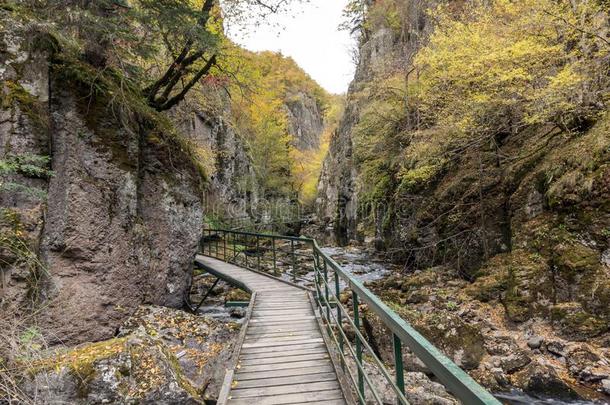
x=542, y=380
x=515, y=362
x=606, y=386
x=586, y=365
x=556, y=347
x=238, y=312
x=535, y=342
x=499, y=376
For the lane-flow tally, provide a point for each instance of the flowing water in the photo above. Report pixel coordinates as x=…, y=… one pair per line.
x=520, y=398
x=358, y=263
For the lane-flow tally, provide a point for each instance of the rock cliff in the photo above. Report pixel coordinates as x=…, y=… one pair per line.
x=116, y=229
x=515, y=226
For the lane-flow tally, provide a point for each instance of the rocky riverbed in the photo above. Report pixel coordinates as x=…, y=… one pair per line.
x=501, y=355
x=524, y=363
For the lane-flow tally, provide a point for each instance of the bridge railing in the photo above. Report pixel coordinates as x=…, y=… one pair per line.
x=344, y=304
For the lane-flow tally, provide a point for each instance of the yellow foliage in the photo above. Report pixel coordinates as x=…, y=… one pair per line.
x=263, y=83
x=521, y=62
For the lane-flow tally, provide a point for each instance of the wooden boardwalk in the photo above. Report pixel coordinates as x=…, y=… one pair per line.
x=283, y=358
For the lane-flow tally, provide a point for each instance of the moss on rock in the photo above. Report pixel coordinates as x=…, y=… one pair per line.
x=575, y=323
x=520, y=280
x=575, y=258
x=125, y=370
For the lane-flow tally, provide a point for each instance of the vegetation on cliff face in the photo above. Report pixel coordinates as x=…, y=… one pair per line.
x=487, y=72
x=266, y=83
x=84, y=89
x=475, y=146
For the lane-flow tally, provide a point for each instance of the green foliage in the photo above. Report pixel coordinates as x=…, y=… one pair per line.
x=28, y=165
x=17, y=250
x=266, y=83
x=489, y=69
x=498, y=66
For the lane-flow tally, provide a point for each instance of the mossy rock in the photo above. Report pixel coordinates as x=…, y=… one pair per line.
x=573, y=322
x=424, y=278
x=594, y=293
x=131, y=369
x=461, y=341
x=521, y=280
x=575, y=258
x=489, y=287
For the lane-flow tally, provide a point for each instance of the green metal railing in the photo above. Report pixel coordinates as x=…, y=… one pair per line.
x=302, y=261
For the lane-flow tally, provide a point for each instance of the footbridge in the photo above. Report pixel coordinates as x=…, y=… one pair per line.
x=304, y=340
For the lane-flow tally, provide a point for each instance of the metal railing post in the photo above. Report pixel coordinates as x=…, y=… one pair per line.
x=224, y=245
x=209, y=239
x=274, y=255
x=216, y=246
x=258, y=256
x=326, y=295
x=356, y=308
x=316, y=279
x=339, y=319
x=294, y=261
x=234, y=248
x=398, y=365
x=246, y=245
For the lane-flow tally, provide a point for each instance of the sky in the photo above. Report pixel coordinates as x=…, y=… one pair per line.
x=310, y=35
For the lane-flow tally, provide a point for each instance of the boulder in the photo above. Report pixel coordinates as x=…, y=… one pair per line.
x=515, y=361
x=573, y=322
x=606, y=386
x=535, y=342
x=134, y=369
x=540, y=379
x=586, y=365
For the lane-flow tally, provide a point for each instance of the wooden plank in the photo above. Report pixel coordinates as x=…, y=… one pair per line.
x=296, y=317
x=323, y=397
x=300, y=320
x=266, y=300
x=282, y=327
x=313, y=334
x=283, y=353
x=225, y=389
x=284, y=389
x=286, y=359
x=299, y=333
x=253, y=345
x=279, y=315
x=279, y=381
x=282, y=311
x=278, y=330
x=281, y=348
x=282, y=366
x=281, y=339
x=242, y=376
x=283, y=308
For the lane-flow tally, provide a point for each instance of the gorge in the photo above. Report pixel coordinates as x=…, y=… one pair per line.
x=469, y=160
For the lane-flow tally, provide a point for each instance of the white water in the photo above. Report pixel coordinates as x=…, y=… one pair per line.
x=521, y=398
